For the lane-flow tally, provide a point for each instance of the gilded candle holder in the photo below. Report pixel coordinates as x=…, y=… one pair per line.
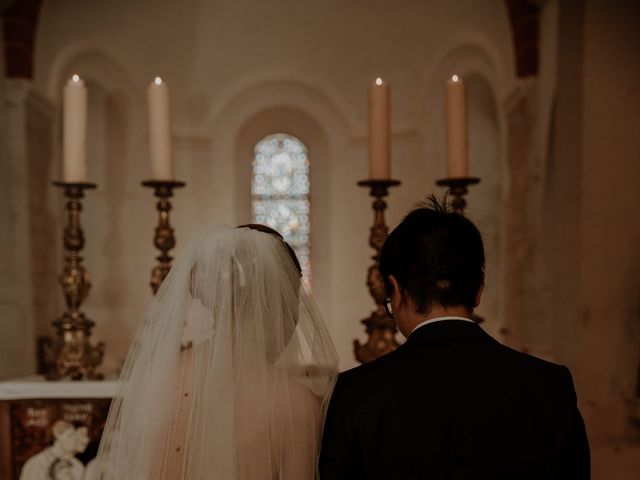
x=458, y=188
x=69, y=354
x=164, y=238
x=380, y=328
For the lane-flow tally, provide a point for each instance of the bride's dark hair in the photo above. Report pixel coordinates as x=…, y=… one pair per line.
x=265, y=229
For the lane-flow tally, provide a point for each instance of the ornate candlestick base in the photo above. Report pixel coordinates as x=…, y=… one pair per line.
x=164, y=239
x=382, y=337
x=380, y=328
x=458, y=188
x=70, y=353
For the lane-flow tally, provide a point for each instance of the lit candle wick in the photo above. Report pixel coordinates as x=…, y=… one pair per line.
x=455, y=78
x=158, y=81
x=378, y=81
x=75, y=78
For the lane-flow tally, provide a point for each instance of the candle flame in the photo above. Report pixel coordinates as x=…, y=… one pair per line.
x=455, y=78
x=157, y=81
x=378, y=81
x=75, y=78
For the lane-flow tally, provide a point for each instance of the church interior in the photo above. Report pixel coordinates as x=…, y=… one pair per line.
x=552, y=106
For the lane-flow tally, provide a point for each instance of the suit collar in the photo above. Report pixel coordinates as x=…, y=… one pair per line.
x=440, y=319
x=447, y=329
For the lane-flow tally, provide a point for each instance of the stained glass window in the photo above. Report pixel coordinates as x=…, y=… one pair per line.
x=280, y=192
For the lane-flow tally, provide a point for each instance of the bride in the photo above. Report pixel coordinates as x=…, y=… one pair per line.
x=230, y=373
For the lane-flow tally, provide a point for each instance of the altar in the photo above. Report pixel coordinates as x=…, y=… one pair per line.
x=51, y=429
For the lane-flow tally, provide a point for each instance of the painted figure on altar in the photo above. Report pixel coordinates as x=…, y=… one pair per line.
x=58, y=461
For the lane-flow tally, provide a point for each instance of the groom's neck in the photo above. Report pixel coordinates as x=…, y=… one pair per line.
x=451, y=311
x=417, y=318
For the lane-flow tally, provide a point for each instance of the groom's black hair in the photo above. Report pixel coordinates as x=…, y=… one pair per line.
x=436, y=255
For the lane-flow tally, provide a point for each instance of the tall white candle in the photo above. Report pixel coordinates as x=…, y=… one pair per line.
x=74, y=139
x=160, y=147
x=379, y=130
x=457, y=129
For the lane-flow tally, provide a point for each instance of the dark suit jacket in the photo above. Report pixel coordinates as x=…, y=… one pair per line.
x=453, y=403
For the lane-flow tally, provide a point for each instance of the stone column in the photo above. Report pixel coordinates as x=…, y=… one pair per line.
x=28, y=258
x=529, y=328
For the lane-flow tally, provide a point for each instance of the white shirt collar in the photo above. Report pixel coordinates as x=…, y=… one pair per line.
x=440, y=319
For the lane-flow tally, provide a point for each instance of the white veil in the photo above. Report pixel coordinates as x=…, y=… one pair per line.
x=230, y=373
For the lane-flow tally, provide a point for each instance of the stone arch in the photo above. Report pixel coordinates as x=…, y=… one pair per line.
x=283, y=105
x=91, y=62
x=107, y=84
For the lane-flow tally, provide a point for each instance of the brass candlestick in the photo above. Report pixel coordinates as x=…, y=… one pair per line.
x=380, y=328
x=70, y=353
x=164, y=238
x=458, y=189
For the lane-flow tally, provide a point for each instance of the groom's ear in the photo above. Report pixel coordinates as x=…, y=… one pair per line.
x=479, y=294
x=396, y=298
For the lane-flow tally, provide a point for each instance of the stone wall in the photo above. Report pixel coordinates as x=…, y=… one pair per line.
x=606, y=339
x=557, y=151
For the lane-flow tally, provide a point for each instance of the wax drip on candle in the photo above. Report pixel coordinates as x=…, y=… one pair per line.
x=378, y=81
x=157, y=81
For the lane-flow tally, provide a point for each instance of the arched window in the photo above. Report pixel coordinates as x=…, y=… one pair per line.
x=280, y=192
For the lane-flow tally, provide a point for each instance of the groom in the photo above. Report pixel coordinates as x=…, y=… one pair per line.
x=452, y=402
